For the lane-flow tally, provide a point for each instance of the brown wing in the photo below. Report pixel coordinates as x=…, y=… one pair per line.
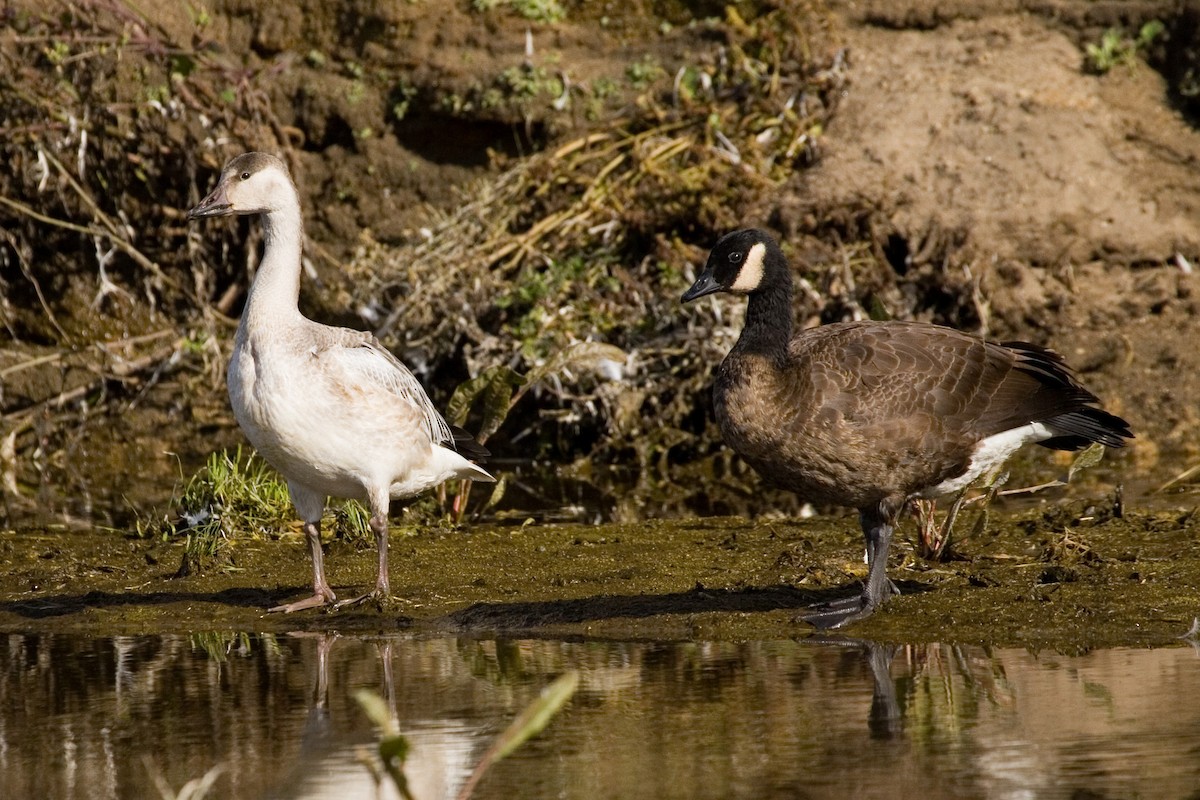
x=881, y=372
x=911, y=401
x=863, y=411
x=904, y=399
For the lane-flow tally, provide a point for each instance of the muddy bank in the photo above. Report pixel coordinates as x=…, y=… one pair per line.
x=1064, y=577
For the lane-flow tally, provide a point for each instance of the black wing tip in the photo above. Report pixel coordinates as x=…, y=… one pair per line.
x=1084, y=423
x=1077, y=429
x=1048, y=367
x=466, y=446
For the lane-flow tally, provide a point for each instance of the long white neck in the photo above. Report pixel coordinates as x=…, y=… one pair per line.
x=276, y=289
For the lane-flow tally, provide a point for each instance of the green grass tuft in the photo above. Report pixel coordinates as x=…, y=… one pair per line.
x=238, y=495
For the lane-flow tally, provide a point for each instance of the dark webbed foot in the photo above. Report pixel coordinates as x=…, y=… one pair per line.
x=877, y=530
x=836, y=613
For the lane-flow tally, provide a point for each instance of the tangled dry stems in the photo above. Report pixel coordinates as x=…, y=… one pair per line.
x=593, y=238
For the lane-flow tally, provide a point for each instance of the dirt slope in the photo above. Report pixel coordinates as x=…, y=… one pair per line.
x=973, y=141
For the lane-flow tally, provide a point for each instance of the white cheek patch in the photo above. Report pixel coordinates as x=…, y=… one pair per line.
x=751, y=274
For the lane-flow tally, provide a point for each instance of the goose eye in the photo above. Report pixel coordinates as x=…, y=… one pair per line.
x=735, y=257
x=245, y=176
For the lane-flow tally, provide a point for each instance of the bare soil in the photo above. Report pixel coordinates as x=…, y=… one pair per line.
x=978, y=143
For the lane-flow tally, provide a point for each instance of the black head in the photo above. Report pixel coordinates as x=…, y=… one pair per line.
x=252, y=183
x=742, y=262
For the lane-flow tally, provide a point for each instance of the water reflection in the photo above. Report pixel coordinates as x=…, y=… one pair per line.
x=104, y=718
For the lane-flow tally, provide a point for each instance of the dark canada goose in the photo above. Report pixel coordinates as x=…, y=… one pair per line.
x=871, y=414
x=330, y=408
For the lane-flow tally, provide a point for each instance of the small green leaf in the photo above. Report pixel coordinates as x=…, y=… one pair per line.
x=1088, y=458
x=497, y=400
x=528, y=723
x=498, y=489
x=537, y=715
x=393, y=748
x=377, y=711
x=468, y=392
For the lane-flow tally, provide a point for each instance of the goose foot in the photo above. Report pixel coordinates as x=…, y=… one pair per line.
x=381, y=600
x=836, y=613
x=316, y=601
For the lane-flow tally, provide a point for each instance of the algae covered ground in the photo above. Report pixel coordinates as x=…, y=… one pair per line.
x=1066, y=577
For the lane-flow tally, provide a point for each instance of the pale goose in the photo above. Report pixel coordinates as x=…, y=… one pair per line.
x=330, y=408
x=871, y=414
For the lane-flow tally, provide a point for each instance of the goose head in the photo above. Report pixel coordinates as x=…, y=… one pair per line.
x=742, y=262
x=252, y=183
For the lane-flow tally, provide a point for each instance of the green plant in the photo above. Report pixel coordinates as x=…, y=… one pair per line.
x=528, y=82
x=570, y=299
x=199, y=15
x=219, y=645
x=57, y=53
x=645, y=72
x=232, y=494
x=1116, y=48
x=392, y=748
x=402, y=96
x=548, y=11
x=351, y=521
x=238, y=495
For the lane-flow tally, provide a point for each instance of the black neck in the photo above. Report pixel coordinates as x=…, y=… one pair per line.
x=768, y=327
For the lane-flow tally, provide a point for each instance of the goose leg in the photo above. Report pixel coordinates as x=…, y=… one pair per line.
x=877, y=530
x=322, y=595
x=310, y=505
x=379, y=526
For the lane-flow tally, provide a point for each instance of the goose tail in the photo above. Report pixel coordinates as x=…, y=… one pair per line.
x=466, y=445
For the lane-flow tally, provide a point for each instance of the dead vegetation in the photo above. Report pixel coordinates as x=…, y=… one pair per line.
x=592, y=239
x=571, y=187
x=102, y=290
x=116, y=125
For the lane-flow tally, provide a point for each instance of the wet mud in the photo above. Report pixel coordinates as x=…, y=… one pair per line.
x=1068, y=577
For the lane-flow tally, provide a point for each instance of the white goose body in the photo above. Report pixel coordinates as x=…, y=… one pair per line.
x=341, y=427
x=330, y=408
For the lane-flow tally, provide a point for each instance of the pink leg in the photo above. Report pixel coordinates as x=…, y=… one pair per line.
x=379, y=526
x=322, y=594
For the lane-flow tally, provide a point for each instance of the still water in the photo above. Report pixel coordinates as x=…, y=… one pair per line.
x=129, y=717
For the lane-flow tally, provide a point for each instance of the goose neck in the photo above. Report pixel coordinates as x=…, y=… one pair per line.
x=276, y=287
x=768, y=327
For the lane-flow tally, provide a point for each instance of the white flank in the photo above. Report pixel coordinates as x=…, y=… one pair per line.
x=989, y=455
x=751, y=273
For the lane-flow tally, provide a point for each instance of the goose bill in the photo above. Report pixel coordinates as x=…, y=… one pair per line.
x=215, y=205
x=704, y=285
